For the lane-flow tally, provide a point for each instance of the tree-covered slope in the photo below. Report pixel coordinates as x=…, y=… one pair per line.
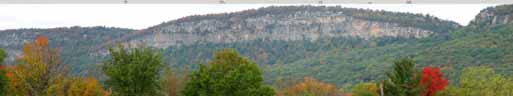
x=333, y=44
x=492, y=48
x=74, y=43
x=485, y=42
x=286, y=34
x=269, y=35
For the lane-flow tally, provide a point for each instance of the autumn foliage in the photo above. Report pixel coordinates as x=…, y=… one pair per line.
x=434, y=81
x=86, y=87
x=172, y=83
x=136, y=72
x=39, y=67
x=40, y=72
x=310, y=87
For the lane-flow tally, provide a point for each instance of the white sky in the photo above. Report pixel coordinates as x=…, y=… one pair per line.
x=139, y=16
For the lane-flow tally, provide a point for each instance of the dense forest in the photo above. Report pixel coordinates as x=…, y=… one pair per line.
x=473, y=60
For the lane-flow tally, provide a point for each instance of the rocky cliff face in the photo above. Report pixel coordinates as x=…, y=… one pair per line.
x=310, y=23
x=493, y=16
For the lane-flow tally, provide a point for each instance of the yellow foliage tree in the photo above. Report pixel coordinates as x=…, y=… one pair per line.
x=365, y=89
x=39, y=71
x=86, y=87
x=310, y=87
x=172, y=84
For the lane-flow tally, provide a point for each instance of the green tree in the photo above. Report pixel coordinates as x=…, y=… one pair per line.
x=365, y=89
x=481, y=81
x=133, y=72
x=3, y=78
x=2, y=55
x=404, y=80
x=228, y=74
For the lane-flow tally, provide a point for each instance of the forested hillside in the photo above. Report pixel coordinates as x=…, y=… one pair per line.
x=281, y=50
x=73, y=42
x=491, y=49
x=270, y=35
x=487, y=45
x=286, y=34
x=469, y=46
x=347, y=61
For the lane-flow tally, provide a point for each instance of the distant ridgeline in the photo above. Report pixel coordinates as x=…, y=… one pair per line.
x=333, y=44
x=70, y=40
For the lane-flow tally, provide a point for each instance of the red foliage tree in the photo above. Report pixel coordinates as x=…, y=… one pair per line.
x=434, y=80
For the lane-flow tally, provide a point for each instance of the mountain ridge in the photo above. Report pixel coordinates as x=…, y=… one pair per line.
x=484, y=45
x=299, y=21
x=314, y=42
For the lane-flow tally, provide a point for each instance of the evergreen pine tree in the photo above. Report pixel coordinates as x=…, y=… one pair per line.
x=404, y=80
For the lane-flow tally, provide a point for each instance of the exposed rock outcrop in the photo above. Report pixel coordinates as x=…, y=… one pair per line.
x=493, y=16
x=297, y=23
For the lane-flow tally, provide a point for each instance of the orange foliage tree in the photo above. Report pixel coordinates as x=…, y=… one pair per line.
x=39, y=72
x=310, y=87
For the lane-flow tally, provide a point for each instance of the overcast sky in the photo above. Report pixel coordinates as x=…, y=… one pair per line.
x=141, y=16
